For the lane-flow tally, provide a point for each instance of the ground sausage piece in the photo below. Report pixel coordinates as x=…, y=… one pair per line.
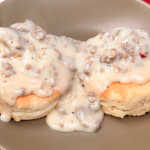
x=38, y=33
x=7, y=70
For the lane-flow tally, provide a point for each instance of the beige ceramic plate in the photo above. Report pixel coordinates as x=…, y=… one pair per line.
x=79, y=19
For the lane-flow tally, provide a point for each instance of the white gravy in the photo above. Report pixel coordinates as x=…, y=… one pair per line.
x=35, y=62
x=120, y=55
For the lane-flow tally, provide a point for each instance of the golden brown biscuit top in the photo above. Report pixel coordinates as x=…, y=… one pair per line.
x=118, y=55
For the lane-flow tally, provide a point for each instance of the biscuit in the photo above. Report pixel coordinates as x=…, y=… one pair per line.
x=31, y=107
x=122, y=99
x=115, y=65
x=35, y=70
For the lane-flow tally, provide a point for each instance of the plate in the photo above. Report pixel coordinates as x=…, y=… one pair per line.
x=79, y=20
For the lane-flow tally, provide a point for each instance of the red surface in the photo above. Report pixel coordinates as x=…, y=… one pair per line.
x=148, y=1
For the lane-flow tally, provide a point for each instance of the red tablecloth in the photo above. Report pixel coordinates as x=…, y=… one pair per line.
x=148, y=1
